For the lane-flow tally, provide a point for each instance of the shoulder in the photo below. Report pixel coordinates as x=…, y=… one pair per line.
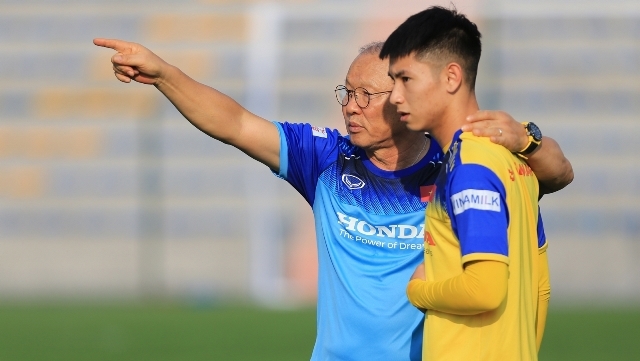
x=481, y=150
x=474, y=160
x=308, y=129
x=307, y=133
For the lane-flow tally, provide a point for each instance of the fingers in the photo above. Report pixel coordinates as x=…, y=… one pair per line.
x=485, y=115
x=127, y=53
x=506, y=136
x=498, y=126
x=115, y=44
x=489, y=131
x=482, y=119
x=499, y=138
x=131, y=60
x=127, y=65
x=122, y=64
x=493, y=130
x=125, y=70
x=123, y=78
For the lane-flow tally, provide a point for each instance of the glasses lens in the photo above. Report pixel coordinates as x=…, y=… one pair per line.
x=362, y=97
x=342, y=95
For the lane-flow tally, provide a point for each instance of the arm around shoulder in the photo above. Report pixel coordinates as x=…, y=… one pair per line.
x=552, y=168
x=547, y=161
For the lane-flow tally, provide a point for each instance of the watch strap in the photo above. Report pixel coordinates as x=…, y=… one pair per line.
x=532, y=144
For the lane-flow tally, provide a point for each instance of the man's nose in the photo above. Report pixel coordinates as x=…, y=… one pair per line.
x=396, y=96
x=352, y=106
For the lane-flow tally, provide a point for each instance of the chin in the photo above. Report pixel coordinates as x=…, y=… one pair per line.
x=361, y=142
x=355, y=139
x=414, y=127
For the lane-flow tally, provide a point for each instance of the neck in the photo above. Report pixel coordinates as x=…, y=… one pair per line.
x=453, y=119
x=400, y=155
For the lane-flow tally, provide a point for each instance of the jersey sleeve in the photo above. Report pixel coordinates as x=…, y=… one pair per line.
x=305, y=151
x=478, y=212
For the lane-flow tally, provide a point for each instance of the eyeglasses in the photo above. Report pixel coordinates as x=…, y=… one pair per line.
x=361, y=95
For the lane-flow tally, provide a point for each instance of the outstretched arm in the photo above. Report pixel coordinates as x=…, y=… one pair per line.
x=552, y=168
x=207, y=109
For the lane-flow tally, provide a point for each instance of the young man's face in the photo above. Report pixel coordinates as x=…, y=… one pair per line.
x=419, y=92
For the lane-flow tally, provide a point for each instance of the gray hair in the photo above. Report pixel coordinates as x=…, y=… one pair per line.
x=372, y=48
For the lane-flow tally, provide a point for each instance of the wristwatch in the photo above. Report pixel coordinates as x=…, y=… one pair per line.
x=535, y=138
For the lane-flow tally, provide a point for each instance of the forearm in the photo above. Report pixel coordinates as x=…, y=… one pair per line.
x=481, y=287
x=552, y=168
x=221, y=117
x=207, y=109
x=544, y=294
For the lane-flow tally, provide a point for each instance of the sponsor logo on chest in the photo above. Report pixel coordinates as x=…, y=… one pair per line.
x=401, y=231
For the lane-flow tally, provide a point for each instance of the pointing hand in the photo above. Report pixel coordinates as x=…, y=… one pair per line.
x=134, y=62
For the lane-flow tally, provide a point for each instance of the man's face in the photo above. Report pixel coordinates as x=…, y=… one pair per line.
x=377, y=124
x=418, y=92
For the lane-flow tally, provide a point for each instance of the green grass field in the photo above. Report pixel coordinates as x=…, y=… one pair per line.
x=223, y=332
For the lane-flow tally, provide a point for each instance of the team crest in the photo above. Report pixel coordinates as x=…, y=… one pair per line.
x=352, y=182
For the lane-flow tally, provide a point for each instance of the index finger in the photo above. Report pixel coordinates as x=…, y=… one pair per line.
x=115, y=44
x=482, y=115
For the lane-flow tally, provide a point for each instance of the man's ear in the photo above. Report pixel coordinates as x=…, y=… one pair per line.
x=453, y=77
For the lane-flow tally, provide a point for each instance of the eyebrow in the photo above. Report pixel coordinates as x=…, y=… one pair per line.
x=396, y=75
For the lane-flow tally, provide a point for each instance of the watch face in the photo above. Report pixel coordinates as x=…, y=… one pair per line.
x=534, y=131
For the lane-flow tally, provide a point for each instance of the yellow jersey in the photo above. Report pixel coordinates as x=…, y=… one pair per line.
x=484, y=207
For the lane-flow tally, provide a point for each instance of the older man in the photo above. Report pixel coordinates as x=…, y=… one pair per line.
x=368, y=192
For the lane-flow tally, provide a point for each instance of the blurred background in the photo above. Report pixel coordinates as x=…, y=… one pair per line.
x=108, y=195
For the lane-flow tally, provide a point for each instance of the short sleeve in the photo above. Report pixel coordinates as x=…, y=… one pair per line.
x=478, y=212
x=305, y=151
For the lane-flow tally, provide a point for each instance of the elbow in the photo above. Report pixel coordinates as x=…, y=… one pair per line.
x=569, y=177
x=544, y=293
x=559, y=182
x=415, y=293
x=479, y=306
x=490, y=302
x=488, y=289
x=492, y=296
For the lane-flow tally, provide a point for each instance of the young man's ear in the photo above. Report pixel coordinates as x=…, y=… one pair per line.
x=453, y=73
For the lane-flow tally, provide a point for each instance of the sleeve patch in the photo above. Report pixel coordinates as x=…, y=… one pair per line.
x=319, y=132
x=480, y=199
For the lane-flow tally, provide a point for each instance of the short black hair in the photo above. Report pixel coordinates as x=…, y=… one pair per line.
x=439, y=32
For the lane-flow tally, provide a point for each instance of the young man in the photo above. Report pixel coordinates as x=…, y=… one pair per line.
x=484, y=252
x=364, y=190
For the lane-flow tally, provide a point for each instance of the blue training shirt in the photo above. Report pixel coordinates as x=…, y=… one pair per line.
x=370, y=236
